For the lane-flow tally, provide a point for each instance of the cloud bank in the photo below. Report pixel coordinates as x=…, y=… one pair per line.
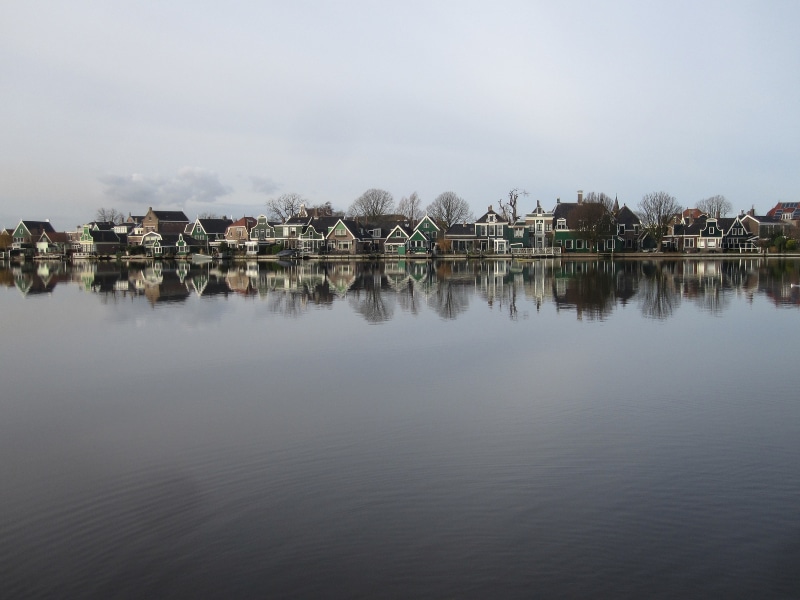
x=189, y=185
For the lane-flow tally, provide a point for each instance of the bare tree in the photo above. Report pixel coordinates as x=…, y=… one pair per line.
x=109, y=215
x=410, y=207
x=594, y=220
x=656, y=210
x=715, y=206
x=599, y=198
x=325, y=209
x=372, y=205
x=209, y=215
x=509, y=209
x=449, y=208
x=284, y=206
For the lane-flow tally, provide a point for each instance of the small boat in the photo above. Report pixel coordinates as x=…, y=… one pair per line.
x=200, y=259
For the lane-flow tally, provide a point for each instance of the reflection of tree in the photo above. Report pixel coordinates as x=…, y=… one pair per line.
x=586, y=288
x=369, y=300
x=408, y=299
x=451, y=299
x=657, y=295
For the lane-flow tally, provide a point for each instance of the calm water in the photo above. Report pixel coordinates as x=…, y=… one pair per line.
x=401, y=430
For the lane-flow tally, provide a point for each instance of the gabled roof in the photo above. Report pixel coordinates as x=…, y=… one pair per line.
x=725, y=223
x=104, y=235
x=784, y=208
x=57, y=237
x=352, y=226
x=564, y=210
x=322, y=224
x=37, y=226
x=296, y=220
x=170, y=215
x=405, y=229
x=497, y=217
x=429, y=219
x=466, y=230
x=246, y=222
x=692, y=213
x=101, y=224
x=692, y=229
x=627, y=217
x=211, y=226
x=765, y=219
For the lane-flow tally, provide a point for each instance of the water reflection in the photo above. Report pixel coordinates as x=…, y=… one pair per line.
x=592, y=289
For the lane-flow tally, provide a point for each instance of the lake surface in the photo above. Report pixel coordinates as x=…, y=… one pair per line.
x=401, y=430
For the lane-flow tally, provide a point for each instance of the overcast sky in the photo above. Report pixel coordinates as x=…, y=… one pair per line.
x=216, y=107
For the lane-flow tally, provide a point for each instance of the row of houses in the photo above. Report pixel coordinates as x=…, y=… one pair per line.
x=569, y=227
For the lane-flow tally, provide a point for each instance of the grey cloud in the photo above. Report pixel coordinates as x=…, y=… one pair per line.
x=264, y=185
x=190, y=184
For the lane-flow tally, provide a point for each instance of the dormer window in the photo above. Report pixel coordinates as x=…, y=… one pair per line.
x=491, y=218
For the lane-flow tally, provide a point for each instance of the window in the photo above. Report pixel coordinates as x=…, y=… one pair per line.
x=562, y=224
x=621, y=229
x=518, y=233
x=539, y=226
x=549, y=227
x=568, y=244
x=579, y=244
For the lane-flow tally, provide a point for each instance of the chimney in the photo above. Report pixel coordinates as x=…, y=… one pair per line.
x=580, y=196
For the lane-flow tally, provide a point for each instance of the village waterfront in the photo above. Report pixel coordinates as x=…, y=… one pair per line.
x=427, y=429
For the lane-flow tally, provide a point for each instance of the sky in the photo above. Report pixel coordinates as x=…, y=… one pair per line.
x=211, y=107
